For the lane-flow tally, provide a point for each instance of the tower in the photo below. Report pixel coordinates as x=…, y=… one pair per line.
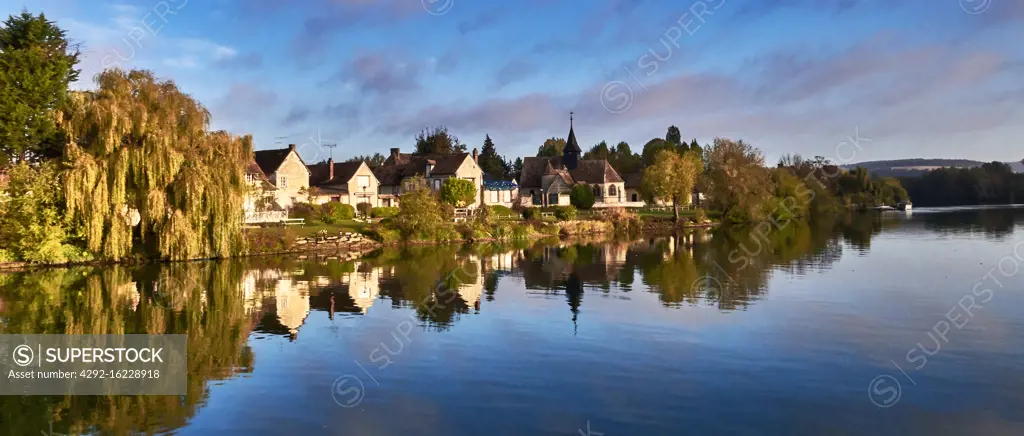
x=571, y=152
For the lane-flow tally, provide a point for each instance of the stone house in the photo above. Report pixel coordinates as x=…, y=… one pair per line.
x=287, y=172
x=346, y=182
x=547, y=181
x=400, y=167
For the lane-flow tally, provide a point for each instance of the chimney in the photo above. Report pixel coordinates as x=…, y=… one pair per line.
x=330, y=168
x=394, y=155
x=476, y=157
x=291, y=147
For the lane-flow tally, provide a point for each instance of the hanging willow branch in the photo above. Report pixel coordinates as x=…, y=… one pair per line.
x=139, y=144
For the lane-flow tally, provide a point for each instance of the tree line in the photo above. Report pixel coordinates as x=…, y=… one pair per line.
x=991, y=183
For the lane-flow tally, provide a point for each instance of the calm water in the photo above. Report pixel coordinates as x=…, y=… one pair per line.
x=868, y=325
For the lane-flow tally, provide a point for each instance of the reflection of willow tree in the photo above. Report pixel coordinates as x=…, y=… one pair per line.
x=201, y=301
x=428, y=279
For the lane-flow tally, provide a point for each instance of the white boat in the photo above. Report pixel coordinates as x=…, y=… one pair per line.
x=905, y=205
x=884, y=208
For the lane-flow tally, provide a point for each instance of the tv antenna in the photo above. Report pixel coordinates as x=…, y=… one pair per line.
x=279, y=139
x=331, y=146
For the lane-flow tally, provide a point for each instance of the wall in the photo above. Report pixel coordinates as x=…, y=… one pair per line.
x=470, y=169
x=298, y=179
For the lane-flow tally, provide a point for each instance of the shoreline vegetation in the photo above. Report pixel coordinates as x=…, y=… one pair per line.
x=130, y=172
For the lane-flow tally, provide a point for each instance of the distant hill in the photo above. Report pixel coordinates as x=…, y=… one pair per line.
x=917, y=167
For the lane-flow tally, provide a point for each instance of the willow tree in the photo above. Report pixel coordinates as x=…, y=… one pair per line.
x=140, y=154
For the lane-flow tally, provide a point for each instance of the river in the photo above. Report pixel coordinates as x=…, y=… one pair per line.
x=892, y=323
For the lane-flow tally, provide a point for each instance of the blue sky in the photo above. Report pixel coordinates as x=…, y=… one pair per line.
x=851, y=80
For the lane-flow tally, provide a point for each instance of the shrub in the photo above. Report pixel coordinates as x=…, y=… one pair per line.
x=384, y=212
x=270, y=239
x=334, y=212
x=582, y=197
x=383, y=234
x=566, y=213
x=419, y=215
x=458, y=192
x=531, y=213
x=365, y=209
x=700, y=216
x=622, y=219
x=503, y=211
x=305, y=211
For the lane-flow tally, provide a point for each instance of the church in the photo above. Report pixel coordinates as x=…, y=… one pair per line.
x=547, y=181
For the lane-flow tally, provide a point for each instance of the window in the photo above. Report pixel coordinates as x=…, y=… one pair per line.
x=437, y=184
x=612, y=190
x=282, y=181
x=336, y=199
x=553, y=198
x=537, y=199
x=634, y=197
x=597, y=191
x=250, y=179
x=363, y=181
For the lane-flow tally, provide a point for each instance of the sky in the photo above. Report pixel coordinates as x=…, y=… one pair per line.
x=850, y=80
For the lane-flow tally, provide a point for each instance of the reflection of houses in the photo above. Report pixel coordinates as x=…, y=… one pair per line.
x=291, y=300
x=471, y=287
x=363, y=285
x=506, y=261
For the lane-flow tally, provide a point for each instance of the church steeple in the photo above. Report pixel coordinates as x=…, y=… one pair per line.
x=571, y=152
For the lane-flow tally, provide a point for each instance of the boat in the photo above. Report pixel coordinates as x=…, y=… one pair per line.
x=883, y=208
x=904, y=205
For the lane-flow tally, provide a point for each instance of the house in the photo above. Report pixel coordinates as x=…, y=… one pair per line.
x=287, y=172
x=260, y=204
x=400, y=167
x=500, y=192
x=547, y=181
x=346, y=182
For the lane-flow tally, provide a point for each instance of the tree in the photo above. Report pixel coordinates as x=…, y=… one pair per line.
x=581, y=197
x=552, y=147
x=672, y=136
x=672, y=177
x=737, y=181
x=437, y=140
x=652, y=147
x=458, y=192
x=419, y=214
x=373, y=161
x=517, y=168
x=36, y=66
x=694, y=146
x=624, y=160
x=599, y=151
x=33, y=222
x=140, y=144
x=490, y=162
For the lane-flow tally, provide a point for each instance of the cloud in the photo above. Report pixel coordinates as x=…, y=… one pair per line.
x=246, y=101
x=379, y=73
x=515, y=70
x=296, y=115
x=249, y=61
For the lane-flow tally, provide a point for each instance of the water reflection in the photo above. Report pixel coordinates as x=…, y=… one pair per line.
x=219, y=304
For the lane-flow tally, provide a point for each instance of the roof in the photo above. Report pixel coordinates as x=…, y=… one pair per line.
x=319, y=174
x=270, y=160
x=634, y=180
x=409, y=165
x=571, y=144
x=587, y=171
x=254, y=170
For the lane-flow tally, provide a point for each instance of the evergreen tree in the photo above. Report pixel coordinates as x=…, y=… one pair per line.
x=37, y=63
x=517, y=168
x=490, y=162
x=673, y=136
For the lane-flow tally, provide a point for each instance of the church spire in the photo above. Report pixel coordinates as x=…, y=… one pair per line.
x=572, y=151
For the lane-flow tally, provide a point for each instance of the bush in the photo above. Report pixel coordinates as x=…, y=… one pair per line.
x=700, y=216
x=531, y=213
x=365, y=209
x=566, y=213
x=458, y=192
x=334, y=212
x=503, y=211
x=305, y=211
x=582, y=197
x=384, y=235
x=384, y=212
x=270, y=239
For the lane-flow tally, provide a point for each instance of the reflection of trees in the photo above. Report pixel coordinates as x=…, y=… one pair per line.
x=994, y=223
x=200, y=300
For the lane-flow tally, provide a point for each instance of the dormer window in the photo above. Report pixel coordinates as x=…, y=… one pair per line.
x=429, y=168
